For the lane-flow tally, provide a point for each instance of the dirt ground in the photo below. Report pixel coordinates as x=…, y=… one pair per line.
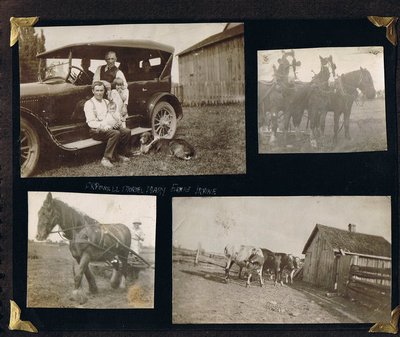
x=50, y=281
x=200, y=295
x=367, y=131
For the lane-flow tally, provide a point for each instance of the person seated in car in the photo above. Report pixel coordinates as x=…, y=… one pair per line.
x=99, y=118
x=85, y=77
x=147, y=72
x=109, y=72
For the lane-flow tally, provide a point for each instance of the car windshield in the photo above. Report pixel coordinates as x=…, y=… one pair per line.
x=55, y=69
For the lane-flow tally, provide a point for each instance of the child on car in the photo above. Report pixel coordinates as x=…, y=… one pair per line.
x=120, y=96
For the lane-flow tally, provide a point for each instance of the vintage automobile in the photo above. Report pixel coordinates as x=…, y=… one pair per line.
x=51, y=110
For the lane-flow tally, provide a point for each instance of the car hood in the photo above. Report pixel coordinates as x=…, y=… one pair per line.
x=44, y=89
x=34, y=89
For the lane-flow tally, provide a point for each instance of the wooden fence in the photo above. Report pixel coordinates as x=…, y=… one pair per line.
x=370, y=280
x=198, y=257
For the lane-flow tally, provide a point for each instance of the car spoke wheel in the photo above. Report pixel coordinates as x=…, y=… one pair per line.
x=163, y=121
x=29, y=147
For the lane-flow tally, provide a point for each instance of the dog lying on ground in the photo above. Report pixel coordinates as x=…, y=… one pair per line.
x=174, y=147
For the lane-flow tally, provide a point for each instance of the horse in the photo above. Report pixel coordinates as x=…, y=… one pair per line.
x=318, y=87
x=341, y=100
x=280, y=95
x=89, y=241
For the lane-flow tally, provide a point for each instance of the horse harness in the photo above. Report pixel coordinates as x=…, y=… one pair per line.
x=341, y=86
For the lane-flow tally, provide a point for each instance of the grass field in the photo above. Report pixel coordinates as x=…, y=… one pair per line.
x=367, y=131
x=216, y=132
x=50, y=281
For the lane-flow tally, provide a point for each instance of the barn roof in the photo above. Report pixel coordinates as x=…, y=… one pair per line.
x=224, y=35
x=351, y=241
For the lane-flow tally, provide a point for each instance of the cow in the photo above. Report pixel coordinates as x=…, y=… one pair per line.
x=277, y=262
x=250, y=257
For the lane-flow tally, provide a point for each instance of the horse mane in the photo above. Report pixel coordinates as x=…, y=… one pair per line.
x=72, y=218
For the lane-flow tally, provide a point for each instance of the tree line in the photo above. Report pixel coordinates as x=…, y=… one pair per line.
x=30, y=44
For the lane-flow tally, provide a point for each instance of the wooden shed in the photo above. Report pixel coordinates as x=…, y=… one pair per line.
x=348, y=262
x=212, y=71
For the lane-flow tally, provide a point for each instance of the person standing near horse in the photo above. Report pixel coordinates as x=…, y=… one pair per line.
x=281, y=74
x=282, y=89
x=137, y=237
x=97, y=118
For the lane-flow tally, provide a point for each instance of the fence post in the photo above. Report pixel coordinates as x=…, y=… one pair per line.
x=196, y=260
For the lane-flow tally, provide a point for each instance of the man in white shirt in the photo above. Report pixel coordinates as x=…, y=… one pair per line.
x=97, y=118
x=137, y=237
x=109, y=72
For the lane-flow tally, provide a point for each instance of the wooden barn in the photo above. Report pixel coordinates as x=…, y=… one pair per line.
x=212, y=71
x=351, y=263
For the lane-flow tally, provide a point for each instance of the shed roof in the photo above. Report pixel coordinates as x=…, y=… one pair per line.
x=224, y=35
x=351, y=241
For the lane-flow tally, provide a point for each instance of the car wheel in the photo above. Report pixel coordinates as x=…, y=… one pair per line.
x=29, y=147
x=163, y=120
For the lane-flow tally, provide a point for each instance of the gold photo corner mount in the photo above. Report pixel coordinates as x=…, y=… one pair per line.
x=388, y=327
x=390, y=23
x=15, y=320
x=17, y=23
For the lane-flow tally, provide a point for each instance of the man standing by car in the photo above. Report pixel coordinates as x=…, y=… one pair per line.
x=109, y=71
x=97, y=118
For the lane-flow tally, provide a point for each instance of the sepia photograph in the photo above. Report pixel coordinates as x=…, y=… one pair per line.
x=320, y=100
x=132, y=100
x=308, y=259
x=90, y=251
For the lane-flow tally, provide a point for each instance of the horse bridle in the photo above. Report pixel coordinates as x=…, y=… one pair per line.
x=350, y=86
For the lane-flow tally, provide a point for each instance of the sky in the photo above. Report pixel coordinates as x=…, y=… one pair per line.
x=346, y=59
x=180, y=36
x=281, y=224
x=105, y=208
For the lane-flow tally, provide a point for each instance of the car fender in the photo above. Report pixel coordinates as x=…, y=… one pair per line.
x=164, y=96
x=42, y=127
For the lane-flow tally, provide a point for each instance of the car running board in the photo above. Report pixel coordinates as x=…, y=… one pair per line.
x=85, y=143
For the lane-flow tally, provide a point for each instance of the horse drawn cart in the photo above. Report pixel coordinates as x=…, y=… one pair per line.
x=292, y=113
x=91, y=242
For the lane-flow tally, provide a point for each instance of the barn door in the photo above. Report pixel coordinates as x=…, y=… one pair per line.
x=343, y=270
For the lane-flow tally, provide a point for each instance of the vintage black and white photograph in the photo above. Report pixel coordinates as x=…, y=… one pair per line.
x=90, y=251
x=132, y=100
x=308, y=259
x=321, y=100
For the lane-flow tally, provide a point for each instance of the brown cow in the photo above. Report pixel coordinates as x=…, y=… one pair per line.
x=244, y=256
x=277, y=262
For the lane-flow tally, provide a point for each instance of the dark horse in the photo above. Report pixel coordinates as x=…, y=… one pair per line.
x=341, y=100
x=291, y=98
x=88, y=241
x=299, y=102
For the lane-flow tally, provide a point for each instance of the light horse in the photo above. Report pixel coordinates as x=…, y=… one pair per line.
x=341, y=100
x=88, y=241
x=317, y=88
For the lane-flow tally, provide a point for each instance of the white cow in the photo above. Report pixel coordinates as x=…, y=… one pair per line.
x=244, y=256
